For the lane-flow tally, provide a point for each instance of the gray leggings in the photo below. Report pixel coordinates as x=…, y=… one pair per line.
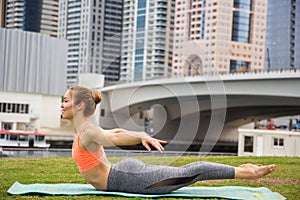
x=134, y=176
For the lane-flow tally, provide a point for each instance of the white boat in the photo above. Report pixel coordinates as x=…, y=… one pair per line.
x=23, y=139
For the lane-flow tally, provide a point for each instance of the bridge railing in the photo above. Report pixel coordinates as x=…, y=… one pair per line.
x=267, y=72
x=217, y=74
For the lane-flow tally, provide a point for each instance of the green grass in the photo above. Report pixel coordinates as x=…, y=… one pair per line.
x=285, y=180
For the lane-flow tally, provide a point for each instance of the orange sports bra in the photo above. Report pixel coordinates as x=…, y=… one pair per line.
x=84, y=159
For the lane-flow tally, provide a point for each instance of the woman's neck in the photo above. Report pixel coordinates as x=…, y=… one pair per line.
x=79, y=124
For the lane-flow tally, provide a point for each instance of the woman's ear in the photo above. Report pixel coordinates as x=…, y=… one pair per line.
x=80, y=106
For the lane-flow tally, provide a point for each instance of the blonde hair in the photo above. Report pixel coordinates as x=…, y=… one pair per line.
x=89, y=97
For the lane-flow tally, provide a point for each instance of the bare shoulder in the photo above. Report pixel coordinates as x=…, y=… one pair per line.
x=89, y=137
x=95, y=135
x=93, y=131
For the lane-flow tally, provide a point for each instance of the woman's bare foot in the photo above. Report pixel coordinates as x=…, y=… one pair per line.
x=250, y=171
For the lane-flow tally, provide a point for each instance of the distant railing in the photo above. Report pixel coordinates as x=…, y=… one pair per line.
x=214, y=73
x=277, y=71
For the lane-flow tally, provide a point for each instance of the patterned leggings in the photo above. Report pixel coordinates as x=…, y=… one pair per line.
x=134, y=176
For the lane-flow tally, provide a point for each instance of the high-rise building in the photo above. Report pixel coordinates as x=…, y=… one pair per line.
x=32, y=15
x=93, y=29
x=283, y=35
x=32, y=62
x=219, y=36
x=147, y=39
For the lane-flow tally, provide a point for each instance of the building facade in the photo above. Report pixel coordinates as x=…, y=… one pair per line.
x=260, y=142
x=32, y=79
x=147, y=39
x=93, y=30
x=283, y=35
x=32, y=15
x=219, y=36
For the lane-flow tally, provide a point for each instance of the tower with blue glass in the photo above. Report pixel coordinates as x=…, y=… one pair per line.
x=283, y=35
x=147, y=39
x=241, y=29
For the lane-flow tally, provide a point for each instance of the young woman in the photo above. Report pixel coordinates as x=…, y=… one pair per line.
x=131, y=175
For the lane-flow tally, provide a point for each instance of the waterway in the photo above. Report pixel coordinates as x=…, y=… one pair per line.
x=46, y=153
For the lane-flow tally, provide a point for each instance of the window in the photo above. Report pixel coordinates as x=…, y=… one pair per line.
x=241, y=23
x=13, y=137
x=141, y=115
x=102, y=112
x=239, y=66
x=8, y=108
x=14, y=108
x=39, y=138
x=23, y=137
x=248, y=144
x=278, y=142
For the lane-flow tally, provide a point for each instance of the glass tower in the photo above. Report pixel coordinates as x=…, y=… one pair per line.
x=147, y=39
x=241, y=29
x=32, y=15
x=283, y=35
x=93, y=30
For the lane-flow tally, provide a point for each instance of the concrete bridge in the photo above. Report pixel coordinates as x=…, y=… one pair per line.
x=201, y=112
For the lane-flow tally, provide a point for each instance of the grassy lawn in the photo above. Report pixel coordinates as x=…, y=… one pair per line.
x=285, y=180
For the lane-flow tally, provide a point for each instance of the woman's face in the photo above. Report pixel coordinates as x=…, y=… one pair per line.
x=66, y=106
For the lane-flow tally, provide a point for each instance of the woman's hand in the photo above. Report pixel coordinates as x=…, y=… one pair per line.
x=156, y=143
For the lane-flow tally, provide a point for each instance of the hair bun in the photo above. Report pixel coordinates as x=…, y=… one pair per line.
x=97, y=96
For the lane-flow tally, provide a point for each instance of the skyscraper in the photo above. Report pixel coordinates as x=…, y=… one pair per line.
x=93, y=29
x=219, y=36
x=147, y=39
x=32, y=15
x=283, y=35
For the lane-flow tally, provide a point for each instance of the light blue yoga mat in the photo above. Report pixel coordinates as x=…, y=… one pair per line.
x=227, y=192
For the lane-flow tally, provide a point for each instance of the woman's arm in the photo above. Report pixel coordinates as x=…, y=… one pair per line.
x=122, y=137
x=119, y=137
